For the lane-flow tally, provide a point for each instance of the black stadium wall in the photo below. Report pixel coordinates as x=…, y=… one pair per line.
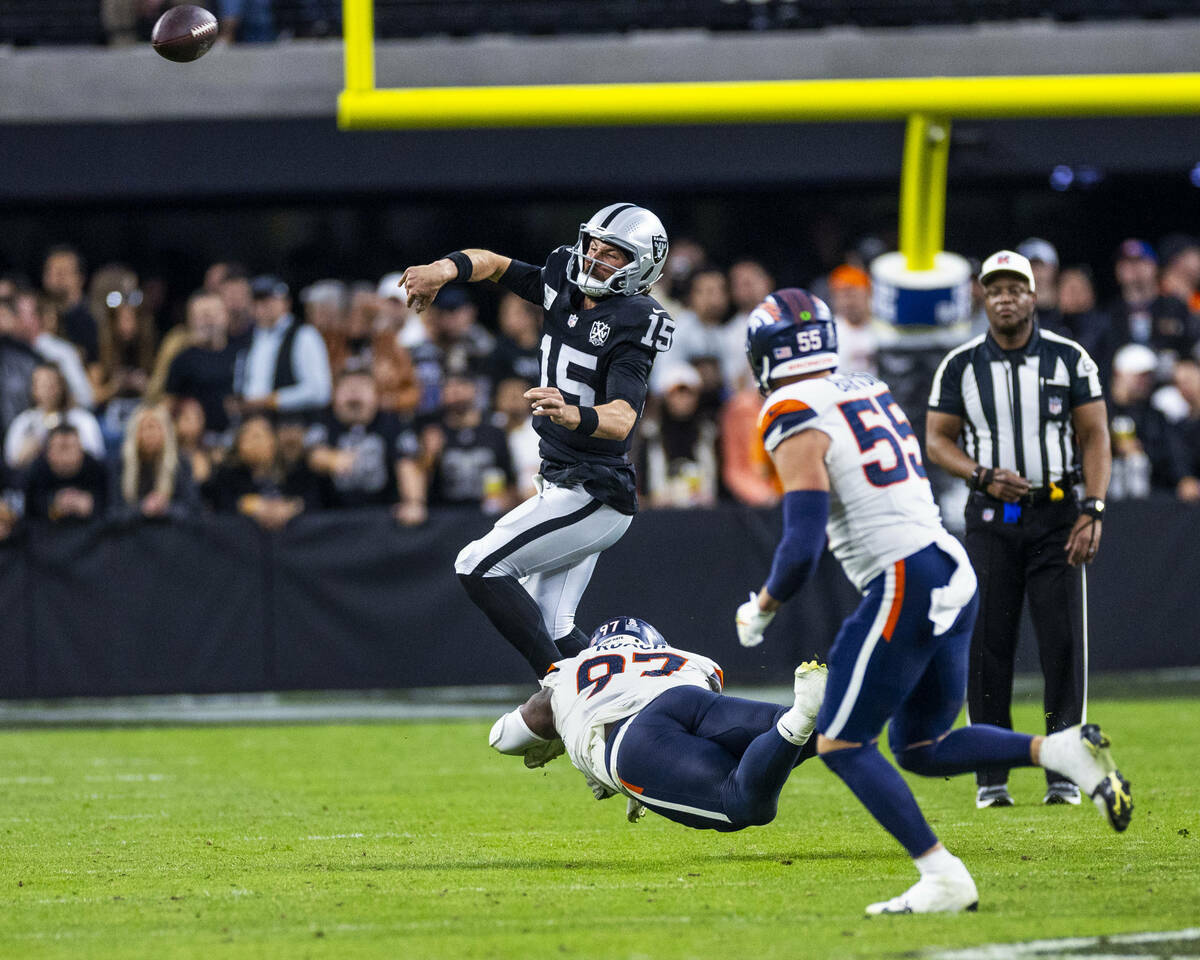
x=350, y=600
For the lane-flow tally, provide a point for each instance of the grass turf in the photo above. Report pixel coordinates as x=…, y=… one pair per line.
x=416, y=841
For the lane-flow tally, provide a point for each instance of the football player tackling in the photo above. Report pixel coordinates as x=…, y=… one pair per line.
x=851, y=468
x=641, y=718
x=600, y=334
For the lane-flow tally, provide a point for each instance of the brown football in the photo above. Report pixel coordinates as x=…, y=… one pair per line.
x=184, y=33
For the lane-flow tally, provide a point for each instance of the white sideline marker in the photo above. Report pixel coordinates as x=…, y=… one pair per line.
x=1067, y=948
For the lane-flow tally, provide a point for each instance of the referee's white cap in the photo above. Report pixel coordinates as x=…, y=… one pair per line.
x=1006, y=261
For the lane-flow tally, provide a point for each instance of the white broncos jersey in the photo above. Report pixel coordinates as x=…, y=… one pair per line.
x=881, y=508
x=610, y=681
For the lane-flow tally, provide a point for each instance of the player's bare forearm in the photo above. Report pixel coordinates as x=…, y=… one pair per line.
x=615, y=419
x=538, y=715
x=422, y=283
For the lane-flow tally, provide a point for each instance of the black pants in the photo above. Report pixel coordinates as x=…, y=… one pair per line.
x=1024, y=557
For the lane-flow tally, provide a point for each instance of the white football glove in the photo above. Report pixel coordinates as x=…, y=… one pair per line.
x=751, y=622
x=634, y=811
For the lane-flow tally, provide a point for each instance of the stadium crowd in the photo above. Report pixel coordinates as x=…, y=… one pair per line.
x=341, y=397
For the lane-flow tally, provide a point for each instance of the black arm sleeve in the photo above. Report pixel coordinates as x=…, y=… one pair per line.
x=523, y=279
x=628, y=378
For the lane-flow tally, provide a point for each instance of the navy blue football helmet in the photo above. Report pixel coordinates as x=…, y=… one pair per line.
x=789, y=333
x=626, y=629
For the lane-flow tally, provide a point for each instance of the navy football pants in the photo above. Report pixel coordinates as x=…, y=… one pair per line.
x=706, y=760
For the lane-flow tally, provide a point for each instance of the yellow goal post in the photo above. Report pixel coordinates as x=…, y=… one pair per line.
x=927, y=104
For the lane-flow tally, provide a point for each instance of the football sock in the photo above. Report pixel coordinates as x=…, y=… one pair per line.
x=574, y=642
x=940, y=860
x=967, y=749
x=751, y=794
x=880, y=788
x=515, y=614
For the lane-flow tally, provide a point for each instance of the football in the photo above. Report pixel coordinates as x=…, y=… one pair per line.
x=184, y=33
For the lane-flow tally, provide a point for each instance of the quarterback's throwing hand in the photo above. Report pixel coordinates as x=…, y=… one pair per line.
x=422, y=283
x=752, y=621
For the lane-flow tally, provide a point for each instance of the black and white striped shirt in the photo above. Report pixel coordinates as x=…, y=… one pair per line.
x=1016, y=404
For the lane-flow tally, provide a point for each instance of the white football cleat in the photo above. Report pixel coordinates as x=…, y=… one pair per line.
x=796, y=726
x=933, y=893
x=1082, y=754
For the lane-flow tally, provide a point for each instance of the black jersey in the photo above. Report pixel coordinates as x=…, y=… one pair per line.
x=593, y=357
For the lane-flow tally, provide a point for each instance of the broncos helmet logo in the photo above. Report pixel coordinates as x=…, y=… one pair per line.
x=791, y=333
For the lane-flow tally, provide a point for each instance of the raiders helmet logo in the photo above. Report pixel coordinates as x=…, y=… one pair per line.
x=659, y=247
x=598, y=334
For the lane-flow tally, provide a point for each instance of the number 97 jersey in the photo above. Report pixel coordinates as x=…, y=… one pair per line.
x=613, y=680
x=881, y=508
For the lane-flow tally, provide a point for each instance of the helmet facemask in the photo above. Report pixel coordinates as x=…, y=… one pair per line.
x=583, y=268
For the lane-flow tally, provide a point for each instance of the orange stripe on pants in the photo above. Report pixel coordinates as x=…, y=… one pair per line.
x=897, y=603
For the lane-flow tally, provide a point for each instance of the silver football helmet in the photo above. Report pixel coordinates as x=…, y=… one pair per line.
x=631, y=228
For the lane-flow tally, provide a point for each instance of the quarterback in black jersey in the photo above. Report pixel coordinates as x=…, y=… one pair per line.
x=600, y=334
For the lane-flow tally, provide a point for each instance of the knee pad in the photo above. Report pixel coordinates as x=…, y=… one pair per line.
x=468, y=557
x=757, y=814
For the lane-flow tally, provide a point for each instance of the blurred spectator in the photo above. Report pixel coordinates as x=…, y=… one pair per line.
x=190, y=439
x=749, y=285
x=325, y=304
x=37, y=325
x=52, y=406
x=1180, y=404
x=152, y=478
x=1181, y=269
x=352, y=343
x=239, y=301
x=466, y=346
x=246, y=21
x=684, y=258
x=679, y=446
x=63, y=279
x=64, y=482
x=701, y=334
x=291, y=439
x=1147, y=453
x=747, y=471
x=287, y=366
x=1082, y=322
x=396, y=379
x=1142, y=314
x=518, y=348
x=204, y=370
x=17, y=362
x=850, y=301
x=367, y=455
x=457, y=345
x=467, y=460
x=514, y=417
x=251, y=479
x=127, y=340
x=1044, y=259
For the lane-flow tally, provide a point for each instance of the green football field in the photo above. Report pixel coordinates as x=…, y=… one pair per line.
x=414, y=840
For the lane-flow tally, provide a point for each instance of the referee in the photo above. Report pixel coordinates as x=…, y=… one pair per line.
x=1028, y=408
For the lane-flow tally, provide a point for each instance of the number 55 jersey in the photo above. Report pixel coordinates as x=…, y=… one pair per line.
x=608, y=682
x=881, y=508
